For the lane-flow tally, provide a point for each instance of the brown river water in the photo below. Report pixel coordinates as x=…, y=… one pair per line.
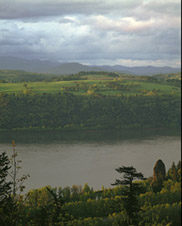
x=77, y=157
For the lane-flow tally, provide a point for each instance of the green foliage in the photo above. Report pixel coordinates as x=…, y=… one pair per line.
x=11, y=201
x=14, y=76
x=65, y=111
x=105, y=100
x=101, y=83
x=174, y=172
x=5, y=189
x=130, y=191
x=162, y=214
x=78, y=206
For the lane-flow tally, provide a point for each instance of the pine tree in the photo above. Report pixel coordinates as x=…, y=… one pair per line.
x=130, y=191
x=5, y=189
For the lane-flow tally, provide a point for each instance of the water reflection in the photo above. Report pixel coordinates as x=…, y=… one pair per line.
x=66, y=158
x=53, y=136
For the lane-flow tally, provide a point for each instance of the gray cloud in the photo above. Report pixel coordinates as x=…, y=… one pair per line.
x=161, y=7
x=39, y=9
x=20, y=9
x=92, y=31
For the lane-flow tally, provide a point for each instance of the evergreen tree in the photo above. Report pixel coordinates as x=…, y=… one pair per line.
x=159, y=175
x=5, y=189
x=130, y=191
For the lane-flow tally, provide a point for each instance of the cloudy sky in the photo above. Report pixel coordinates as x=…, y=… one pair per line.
x=126, y=32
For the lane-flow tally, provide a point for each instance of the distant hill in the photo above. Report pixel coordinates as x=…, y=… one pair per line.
x=44, y=66
x=142, y=70
x=72, y=68
x=168, y=76
x=15, y=63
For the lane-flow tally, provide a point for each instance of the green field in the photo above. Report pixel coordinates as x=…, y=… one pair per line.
x=86, y=87
x=90, y=100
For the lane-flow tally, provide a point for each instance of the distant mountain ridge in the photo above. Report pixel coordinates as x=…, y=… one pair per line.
x=73, y=68
x=143, y=70
x=45, y=66
x=15, y=63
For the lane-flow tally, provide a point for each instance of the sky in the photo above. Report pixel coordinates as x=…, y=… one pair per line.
x=93, y=32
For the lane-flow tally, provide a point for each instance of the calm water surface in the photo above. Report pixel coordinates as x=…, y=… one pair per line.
x=66, y=158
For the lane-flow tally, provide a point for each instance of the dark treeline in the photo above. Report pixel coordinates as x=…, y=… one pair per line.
x=83, y=75
x=57, y=111
x=16, y=76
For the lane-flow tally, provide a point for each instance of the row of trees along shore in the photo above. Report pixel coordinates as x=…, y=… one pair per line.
x=134, y=200
x=65, y=110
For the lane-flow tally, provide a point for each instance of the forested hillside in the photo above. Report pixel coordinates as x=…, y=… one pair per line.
x=66, y=110
x=91, y=100
x=15, y=76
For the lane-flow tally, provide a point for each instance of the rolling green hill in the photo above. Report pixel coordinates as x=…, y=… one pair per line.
x=95, y=83
x=92, y=100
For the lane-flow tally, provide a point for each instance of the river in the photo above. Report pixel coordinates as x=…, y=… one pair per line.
x=77, y=157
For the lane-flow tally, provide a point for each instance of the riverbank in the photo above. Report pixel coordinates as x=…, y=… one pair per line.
x=68, y=135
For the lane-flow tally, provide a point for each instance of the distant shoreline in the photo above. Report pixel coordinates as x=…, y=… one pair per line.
x=86, y=129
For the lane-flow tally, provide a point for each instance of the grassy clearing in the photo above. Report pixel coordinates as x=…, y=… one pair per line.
x=83, y=87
